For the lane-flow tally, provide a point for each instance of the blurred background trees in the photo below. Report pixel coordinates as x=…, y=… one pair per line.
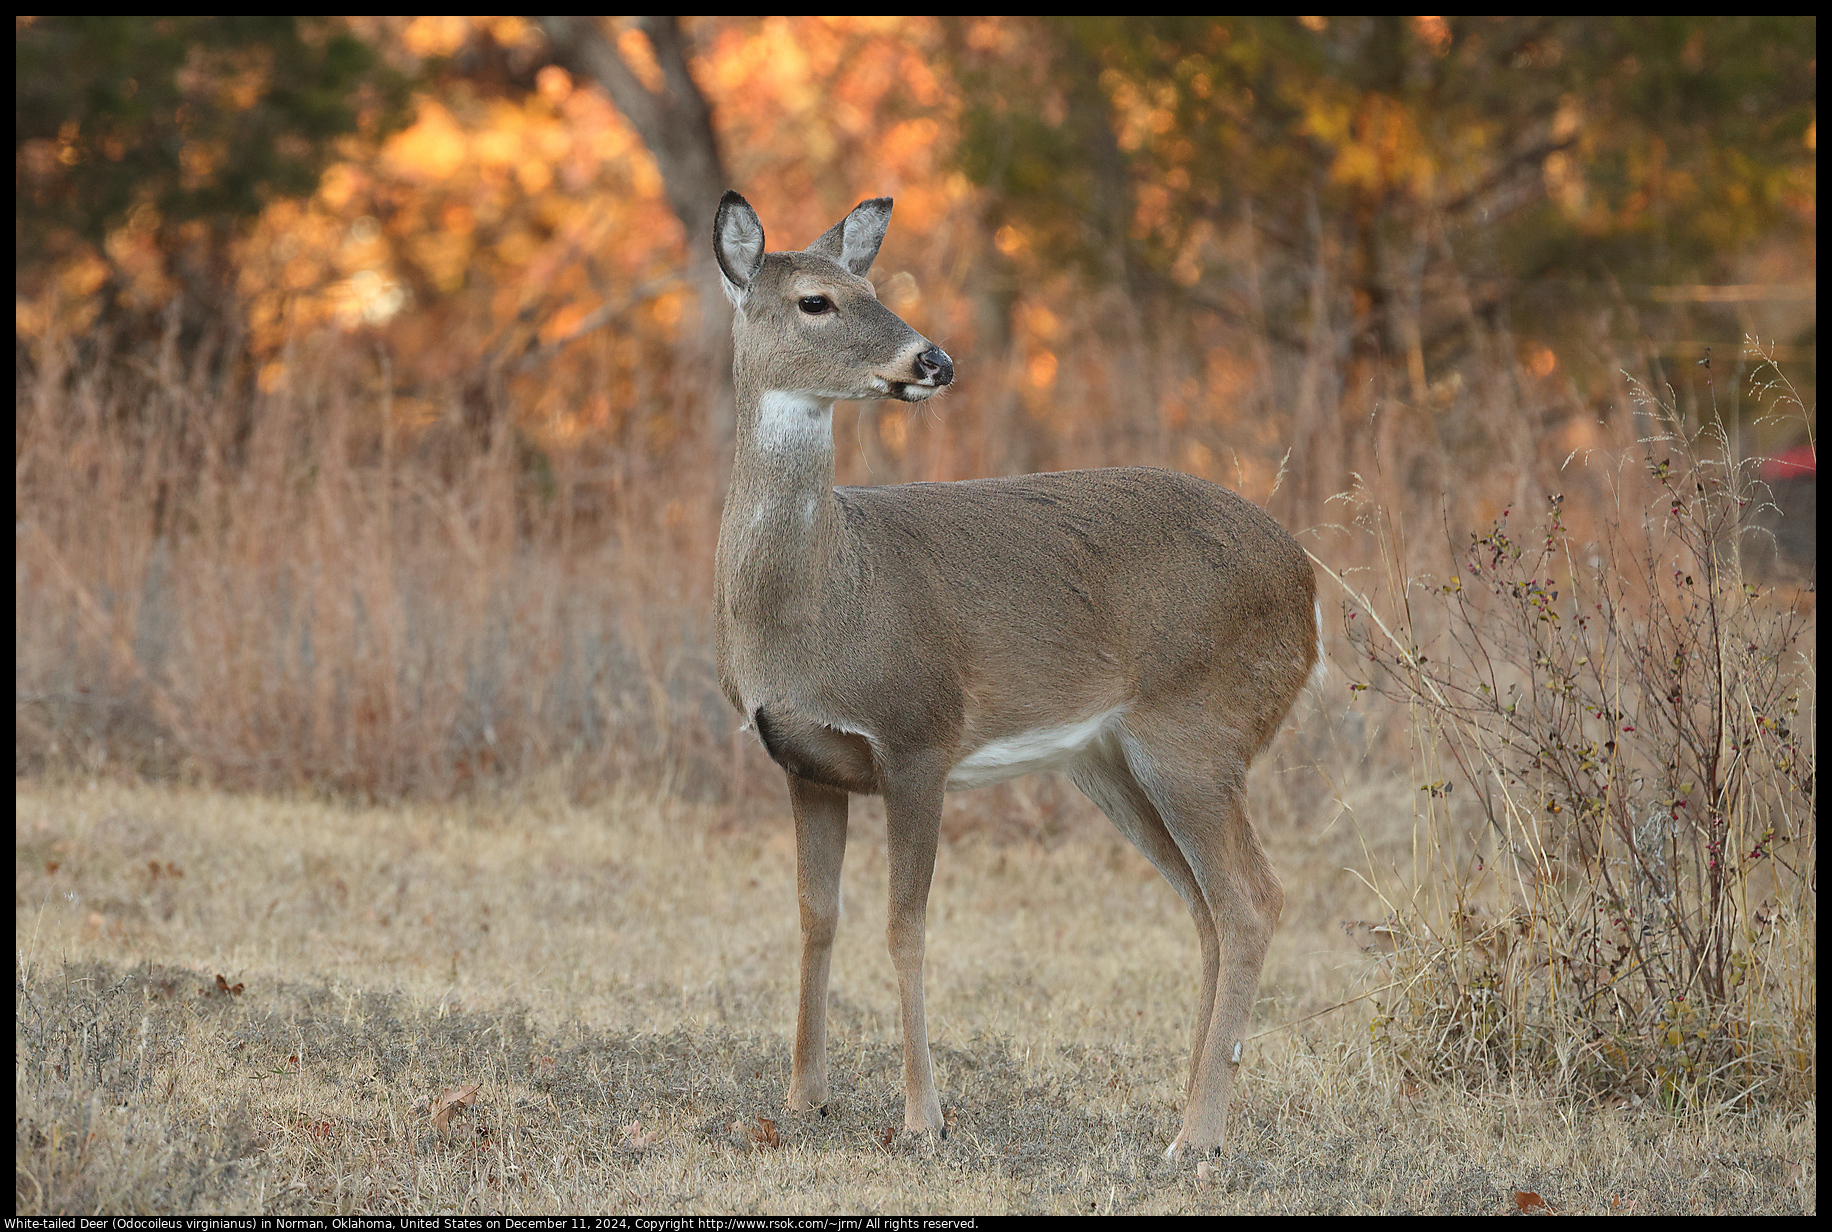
x=421, y=308
x=1331, y=197
x=166, y=135
x=1366, y=193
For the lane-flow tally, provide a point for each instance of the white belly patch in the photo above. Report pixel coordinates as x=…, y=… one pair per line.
x=1039, y=749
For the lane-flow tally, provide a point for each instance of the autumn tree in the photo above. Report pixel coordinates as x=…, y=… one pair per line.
x=656, y=92
x=1390, y=188
x=181, y=128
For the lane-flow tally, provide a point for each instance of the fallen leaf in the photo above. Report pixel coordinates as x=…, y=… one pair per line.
x=751, y=1137
x=1528, y=1202
x=449, y=1104
x=634, y=1139
x=1371, y=937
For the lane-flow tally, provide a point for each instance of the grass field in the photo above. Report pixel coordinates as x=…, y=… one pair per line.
x=536, y=1006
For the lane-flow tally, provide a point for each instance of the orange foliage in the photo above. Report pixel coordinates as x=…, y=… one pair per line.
x=492, y=224
x=521, y=238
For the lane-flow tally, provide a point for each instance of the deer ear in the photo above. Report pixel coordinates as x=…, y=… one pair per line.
x=737, y=243
x=853, y=241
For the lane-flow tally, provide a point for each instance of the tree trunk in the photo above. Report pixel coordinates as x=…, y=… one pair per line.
x=676, y=124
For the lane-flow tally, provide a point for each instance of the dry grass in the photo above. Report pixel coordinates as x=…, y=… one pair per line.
x=616, y=982
x=300, y=585
x=288, y=594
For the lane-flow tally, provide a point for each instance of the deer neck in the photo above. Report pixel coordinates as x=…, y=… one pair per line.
x=779, y=535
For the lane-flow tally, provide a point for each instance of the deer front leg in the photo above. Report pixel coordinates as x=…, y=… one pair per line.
x=912, y=805
x=820, y=848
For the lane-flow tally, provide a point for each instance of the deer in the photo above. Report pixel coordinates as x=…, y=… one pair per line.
x=1142, y=630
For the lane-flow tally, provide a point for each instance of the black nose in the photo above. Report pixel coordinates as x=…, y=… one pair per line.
x=935, y=365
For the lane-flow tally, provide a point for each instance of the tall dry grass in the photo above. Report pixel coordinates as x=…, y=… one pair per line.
x=281, y=590
x=332, y=578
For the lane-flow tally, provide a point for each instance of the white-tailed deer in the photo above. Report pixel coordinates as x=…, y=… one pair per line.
x=1143, y=630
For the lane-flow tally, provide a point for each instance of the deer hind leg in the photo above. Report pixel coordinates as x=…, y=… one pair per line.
x=1201, y=799
x=1103, y=776
x=820, y=848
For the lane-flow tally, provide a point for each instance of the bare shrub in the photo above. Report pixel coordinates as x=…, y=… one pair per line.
x=1613, y=739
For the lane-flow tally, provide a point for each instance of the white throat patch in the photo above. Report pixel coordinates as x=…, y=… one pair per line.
x=795, y=422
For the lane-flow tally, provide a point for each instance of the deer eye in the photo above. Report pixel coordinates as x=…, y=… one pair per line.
x=814, y=305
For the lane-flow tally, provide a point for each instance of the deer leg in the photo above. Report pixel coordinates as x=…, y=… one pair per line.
x=1246, y=901
x=912, y=804
x=820, y=847
x=1202, y=802
x=1102, y=775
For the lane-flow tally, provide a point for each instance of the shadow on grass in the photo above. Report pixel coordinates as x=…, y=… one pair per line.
x=156, y=1089
x=164, y=1090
